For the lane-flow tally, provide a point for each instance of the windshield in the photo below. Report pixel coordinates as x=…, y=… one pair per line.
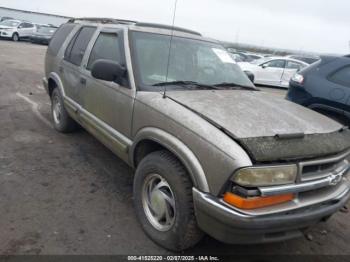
x=9, y=23
x=190, y=60
x=47, y=30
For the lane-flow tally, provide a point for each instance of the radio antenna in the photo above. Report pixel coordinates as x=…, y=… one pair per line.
x=170, y=46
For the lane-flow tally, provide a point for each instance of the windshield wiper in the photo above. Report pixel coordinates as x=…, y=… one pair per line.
x=186, y=83
x=226, y=84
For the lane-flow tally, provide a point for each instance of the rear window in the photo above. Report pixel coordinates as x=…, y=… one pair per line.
x=341, y=77
x=59, y=38
x=77, y=47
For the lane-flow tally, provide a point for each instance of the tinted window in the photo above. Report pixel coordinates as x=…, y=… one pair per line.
x=76, y=49
x=293, y=65
x=59, y=37
x=107, y=46
x=276, y=63
x=341, y=77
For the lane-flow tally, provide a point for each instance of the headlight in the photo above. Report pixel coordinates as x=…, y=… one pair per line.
x=298, y=78
x=266, y=176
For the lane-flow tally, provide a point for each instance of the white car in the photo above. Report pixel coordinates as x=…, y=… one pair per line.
x=16, y=29
x=273, y=71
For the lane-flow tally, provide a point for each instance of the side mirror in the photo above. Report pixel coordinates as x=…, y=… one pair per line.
x=250, y=76
x=264, y=66
x=107, y=70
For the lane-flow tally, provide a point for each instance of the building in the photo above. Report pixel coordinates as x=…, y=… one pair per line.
x=34, y=17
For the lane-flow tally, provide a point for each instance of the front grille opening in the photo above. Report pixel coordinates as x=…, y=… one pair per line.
x=318, y=168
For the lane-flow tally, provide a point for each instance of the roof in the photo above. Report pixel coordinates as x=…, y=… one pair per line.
x=104, y=20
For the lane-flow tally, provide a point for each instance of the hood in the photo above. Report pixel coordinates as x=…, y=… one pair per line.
x=268, y=127
x=7, y=27
x=247, y=114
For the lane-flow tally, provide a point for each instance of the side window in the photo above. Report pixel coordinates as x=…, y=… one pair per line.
x=107, y=46
x=76, y=48
x=21, y=25
x=275, y=64
x=59, y=37
x=293, y=65
x=341, y=77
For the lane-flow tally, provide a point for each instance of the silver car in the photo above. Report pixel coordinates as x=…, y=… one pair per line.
x=211, y=153
x=16, y=29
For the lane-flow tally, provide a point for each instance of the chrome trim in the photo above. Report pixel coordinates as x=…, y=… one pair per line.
x=332, y=179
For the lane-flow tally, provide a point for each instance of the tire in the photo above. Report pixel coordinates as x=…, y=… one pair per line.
x=15, y=37
x=183, y=232
x=62, y=121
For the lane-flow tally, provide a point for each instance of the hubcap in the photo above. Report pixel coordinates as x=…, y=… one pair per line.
x=158, y=202
x=56, y=110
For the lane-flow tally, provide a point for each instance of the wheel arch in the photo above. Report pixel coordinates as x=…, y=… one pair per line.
x=54, y=81
x=151, y=139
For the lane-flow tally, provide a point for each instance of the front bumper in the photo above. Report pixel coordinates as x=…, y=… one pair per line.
x=233, y=226
x=6, y=34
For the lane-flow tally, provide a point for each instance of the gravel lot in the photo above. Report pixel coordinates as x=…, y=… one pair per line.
x=67, y=194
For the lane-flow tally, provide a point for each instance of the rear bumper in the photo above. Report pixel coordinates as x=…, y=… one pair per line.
x=231, y=226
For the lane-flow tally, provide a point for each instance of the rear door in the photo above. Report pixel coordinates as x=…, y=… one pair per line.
x=270, y=73
x=291, y=68
x=70, y=67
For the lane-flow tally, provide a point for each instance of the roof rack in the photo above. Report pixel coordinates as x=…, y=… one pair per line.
x=168, y=27
x=103, y=20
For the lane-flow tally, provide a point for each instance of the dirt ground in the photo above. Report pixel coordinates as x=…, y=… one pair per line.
x=68, y=194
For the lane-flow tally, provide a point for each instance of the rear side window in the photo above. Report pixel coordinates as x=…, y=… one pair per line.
x=77, y=47
x=59, y=38
x=293, y=65
x=341, y=77
x=107, y=46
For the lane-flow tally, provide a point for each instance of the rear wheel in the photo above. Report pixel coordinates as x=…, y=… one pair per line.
x=15, y=37
x=164, y=203
x=61, y=120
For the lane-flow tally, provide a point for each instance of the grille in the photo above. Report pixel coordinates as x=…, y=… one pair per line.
x=317, y=169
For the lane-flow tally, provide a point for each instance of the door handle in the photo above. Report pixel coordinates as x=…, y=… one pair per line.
x=83, y=81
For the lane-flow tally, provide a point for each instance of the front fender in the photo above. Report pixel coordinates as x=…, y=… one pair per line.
x=178, y=148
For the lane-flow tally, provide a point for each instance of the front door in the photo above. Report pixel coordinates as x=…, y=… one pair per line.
x=270, y=73
x=109, y=105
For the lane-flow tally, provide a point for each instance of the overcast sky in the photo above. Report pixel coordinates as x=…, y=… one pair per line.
x=306, y=25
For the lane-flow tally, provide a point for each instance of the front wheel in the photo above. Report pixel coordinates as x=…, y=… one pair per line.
x=15, y=37
x=164, y=203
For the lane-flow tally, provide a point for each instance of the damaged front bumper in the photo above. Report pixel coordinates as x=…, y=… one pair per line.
x=318, y=195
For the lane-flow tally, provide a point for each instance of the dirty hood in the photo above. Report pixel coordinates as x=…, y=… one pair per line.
x=264, y=123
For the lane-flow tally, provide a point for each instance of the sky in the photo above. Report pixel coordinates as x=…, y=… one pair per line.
x=302, y=25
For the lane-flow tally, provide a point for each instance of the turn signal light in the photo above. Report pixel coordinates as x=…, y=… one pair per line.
x=256, y=202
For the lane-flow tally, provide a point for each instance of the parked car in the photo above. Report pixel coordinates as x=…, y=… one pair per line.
x=16, y=29
x=307, y=59
x=273, y=71
x=5, y=18
x=211, y=152
x=324, y=87
x=43, y=34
